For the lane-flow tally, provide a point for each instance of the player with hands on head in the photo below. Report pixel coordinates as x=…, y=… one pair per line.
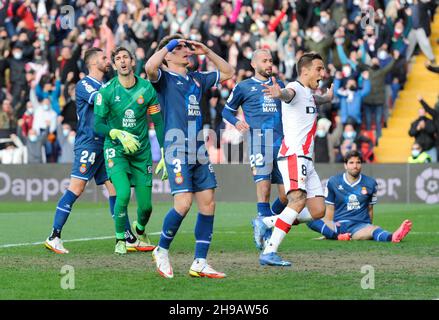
x=190, y=174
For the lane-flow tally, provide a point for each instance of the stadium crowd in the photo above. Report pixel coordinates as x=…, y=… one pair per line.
x=41, y=59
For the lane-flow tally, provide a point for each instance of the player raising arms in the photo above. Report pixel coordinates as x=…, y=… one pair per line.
x=89, y=160
x=350, y=198
x=190, y=173
x=264, y=123
x=301, y=182
x=121, y=109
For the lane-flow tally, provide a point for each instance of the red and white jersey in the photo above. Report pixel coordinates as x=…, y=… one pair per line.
x=299, y=121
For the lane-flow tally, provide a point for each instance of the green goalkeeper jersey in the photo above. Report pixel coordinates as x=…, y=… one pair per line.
x=127, y=109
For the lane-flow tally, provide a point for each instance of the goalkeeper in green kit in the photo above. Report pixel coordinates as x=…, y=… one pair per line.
x=121, y=109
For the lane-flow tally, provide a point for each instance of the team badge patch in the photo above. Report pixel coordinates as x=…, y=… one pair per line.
x=363, y=190
x=110, y=163
x=254, y=171
x=140, y=100
x=179, y=178
x=149, y=169
x=83, y=168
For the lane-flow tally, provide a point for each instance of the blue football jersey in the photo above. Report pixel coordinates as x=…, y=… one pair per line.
x=261, y=113
x=351, y=201
x=86, y=89
x=180, y=99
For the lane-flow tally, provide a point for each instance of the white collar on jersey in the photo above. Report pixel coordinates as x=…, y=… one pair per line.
x=355, y=183
x=177, y=74
x=93, y=79
x=260, y=81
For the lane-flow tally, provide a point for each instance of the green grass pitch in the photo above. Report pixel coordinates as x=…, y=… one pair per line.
x=321, y=269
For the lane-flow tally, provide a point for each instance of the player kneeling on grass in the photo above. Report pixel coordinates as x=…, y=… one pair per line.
x=350, y=197
x=121, y=109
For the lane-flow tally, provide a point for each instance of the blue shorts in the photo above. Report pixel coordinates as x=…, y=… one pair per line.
x=184, y=177
x=263, y=163
x=349, y=226
x=88, y=164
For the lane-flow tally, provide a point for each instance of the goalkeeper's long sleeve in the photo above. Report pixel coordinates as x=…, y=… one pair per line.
x=159, y=127
x=100, y=126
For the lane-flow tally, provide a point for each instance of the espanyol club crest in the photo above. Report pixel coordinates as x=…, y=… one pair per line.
x=83, y=168
x=179, y=178
x=140, y=100
x=364, y=190
x=110, y=163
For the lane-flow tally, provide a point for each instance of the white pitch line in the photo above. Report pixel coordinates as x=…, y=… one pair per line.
x=13, y=245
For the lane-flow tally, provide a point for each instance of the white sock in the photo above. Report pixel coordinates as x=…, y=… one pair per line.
x=287, y=217
x=270, y=221
x=304, y=216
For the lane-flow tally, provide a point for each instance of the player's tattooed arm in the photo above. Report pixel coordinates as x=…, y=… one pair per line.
x=326, y=98
x=276, y=92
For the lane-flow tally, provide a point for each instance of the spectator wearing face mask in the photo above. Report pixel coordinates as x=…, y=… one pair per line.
x=35, y=151
x=28, y=119
x=17, y=74
x=418, y=155
x=66, y=139
x=351, y=98
x=351, y=140
x=374, y=102
x=423, y=130
x=51, y=89
x=326, y=141
x=43, y=115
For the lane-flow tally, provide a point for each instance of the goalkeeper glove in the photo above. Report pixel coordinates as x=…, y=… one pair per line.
x=129, y=141
x=161, y=166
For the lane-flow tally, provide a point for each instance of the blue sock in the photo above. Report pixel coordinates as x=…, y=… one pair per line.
x=63, y=209
x=320, y=227
x=264, y=209
x=278, y=207
x=382, y=235
x=203, y=235
x=170, y=227
x=112, y=201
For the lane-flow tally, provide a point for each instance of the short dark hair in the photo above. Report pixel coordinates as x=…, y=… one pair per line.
x=116, y=51
x=306, y=59
x=352, y=154
x=166, y=40
x=90, y=53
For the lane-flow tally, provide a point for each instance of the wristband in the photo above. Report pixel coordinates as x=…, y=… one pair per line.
x=172, y=44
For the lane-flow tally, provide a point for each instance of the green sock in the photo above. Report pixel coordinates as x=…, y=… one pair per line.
x=139, y=227
x=120, y=236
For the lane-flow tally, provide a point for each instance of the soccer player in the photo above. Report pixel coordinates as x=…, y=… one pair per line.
x=350, y=197
x=89, y=160
x=301, y=181
x=187, y=164
x=264, y=125
x=121, y=112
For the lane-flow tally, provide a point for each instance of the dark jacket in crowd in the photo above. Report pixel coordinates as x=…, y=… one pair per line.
x=425, y=137
x=377, y=79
